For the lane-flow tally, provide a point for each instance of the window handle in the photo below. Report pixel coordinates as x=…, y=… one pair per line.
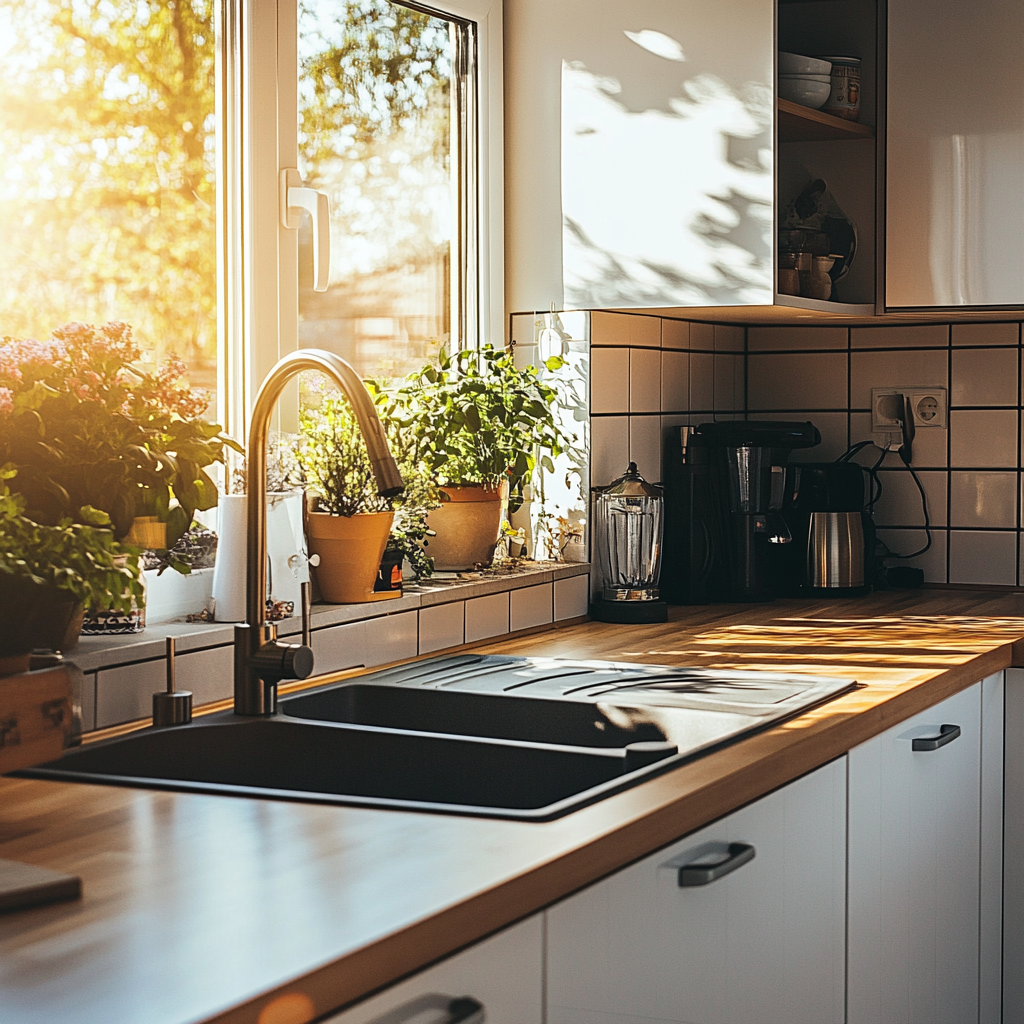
x=295, y=197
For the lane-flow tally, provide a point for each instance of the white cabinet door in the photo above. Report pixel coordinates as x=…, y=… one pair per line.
x=762, y=945
x=914, y=869
x=497, y=980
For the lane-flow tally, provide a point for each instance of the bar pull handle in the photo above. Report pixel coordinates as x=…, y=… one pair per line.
x=463, y=1010
x=705, y=874
x=294, y=197
x=947, y=733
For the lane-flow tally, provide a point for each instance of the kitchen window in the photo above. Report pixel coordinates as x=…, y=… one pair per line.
x=394, y=111
x=141, y=144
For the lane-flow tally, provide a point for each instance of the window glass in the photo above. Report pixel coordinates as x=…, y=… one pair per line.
x=379, y=132
x=107, y=162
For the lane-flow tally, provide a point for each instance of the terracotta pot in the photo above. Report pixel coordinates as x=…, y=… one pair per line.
x=147, y=532
x=468, y=525
x=34, y=616
x=350, y=550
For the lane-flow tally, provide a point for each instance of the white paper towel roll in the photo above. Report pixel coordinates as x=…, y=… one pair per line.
x=229, y=569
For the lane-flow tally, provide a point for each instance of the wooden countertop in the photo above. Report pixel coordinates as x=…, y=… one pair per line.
x=205, y=908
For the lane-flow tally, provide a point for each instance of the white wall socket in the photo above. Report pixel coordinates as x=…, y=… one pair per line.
x=928, y=405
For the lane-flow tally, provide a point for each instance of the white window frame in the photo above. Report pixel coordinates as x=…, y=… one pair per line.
x=258, y=86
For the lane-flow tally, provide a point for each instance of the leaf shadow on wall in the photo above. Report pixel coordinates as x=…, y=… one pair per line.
x=666, y=202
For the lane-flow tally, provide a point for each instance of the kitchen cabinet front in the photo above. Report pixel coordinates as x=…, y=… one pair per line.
x=955, y=158
x=666, y=940
x=921, y=876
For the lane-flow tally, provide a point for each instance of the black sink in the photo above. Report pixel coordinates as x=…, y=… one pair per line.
x=492, y=716
x=325, y=763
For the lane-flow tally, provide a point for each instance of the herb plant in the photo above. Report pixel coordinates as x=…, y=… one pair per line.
x=477, y=418
x=78, y=558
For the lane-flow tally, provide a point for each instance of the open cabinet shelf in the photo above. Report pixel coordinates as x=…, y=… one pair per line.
x=802, y=124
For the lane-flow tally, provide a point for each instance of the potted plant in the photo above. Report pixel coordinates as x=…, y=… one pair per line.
x=50, y=574
x=478, y=423
x=86, y=428
x=350, y=519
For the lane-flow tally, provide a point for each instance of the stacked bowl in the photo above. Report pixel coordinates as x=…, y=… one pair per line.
x=804, y=80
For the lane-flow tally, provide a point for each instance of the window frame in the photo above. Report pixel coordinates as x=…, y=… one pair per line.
x=257, y=84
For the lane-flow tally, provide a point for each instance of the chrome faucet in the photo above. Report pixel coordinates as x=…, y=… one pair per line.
x=261, y=660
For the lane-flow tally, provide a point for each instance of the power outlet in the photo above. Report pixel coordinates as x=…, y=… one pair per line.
x=927, y=405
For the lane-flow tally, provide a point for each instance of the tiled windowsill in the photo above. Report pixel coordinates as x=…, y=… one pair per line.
x=99, y=652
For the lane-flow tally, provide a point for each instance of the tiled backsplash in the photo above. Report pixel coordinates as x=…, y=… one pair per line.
x=971, y=472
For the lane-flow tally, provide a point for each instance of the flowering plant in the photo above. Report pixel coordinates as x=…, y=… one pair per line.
x=83, y=426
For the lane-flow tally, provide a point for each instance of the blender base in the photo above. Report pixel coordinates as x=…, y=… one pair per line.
x=629, y=612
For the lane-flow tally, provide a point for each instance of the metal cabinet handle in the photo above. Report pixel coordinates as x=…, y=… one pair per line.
x=701, y=874
x=464, y=1010
x=947, y=733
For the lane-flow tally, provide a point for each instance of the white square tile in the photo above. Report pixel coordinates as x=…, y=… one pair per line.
x=804, y=380
x=729, y=338
x=911, y=368
x=933, y=561
x=675, y=381
x=645, y=446
x=486, y=617
x=609, y=380
x=391, y=638
x=675, y=334
x=609, y=329
x=572, y=597
x=702, y=382
x=984, y=376
x=767, y=339
x=983, y=437
x=339, y=647
x=900, y=503
x=644, y=331
x=442, y=626
x=983, y=499
x=530, y=606
x=986, y=558
x=897, y=336
x=609, y=448
x=644, y=380
x=929, y=444
x=727, y=368
x=702, y=336
x=985, y=334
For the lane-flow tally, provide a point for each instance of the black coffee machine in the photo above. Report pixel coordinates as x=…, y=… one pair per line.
x=724, y=491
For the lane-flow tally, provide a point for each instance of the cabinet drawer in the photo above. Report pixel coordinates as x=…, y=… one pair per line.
x=764, y=944
x=502, y=974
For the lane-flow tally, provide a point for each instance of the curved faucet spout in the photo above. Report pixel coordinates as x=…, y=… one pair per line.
x=260, y=660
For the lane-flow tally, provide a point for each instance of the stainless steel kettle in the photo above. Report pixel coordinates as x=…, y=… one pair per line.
x=835, y=550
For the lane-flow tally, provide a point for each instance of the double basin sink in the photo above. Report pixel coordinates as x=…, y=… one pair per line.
x=526, y=738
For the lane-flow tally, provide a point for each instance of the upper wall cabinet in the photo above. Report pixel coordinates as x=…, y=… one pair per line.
x=955, y=161
x=638, y=141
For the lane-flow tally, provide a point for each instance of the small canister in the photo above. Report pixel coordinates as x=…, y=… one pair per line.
x=844, y=100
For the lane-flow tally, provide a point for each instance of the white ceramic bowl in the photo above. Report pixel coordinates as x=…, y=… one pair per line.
x=806, y=78
x=797, y=64
x=807, y=94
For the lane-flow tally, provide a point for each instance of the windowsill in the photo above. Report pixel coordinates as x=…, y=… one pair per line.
x=100, y=652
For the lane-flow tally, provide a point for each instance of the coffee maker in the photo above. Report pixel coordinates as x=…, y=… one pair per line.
x=724, y=490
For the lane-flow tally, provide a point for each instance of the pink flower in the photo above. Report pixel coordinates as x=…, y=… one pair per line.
x=6, y=402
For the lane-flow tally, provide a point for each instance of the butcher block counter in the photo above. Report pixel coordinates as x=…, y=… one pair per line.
x=207, y=908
